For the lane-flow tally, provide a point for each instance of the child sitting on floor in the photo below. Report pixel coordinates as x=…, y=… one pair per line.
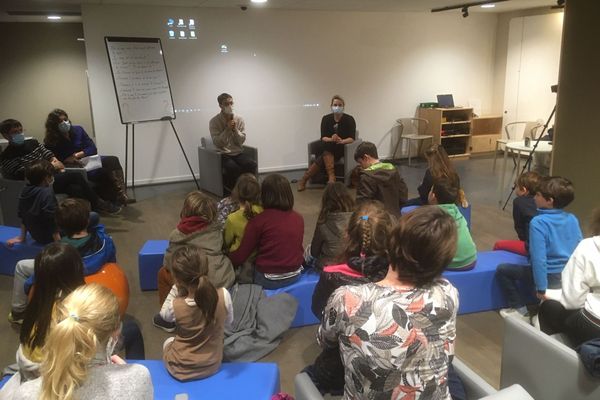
x=200, y=312
x=336, y=208
x=246, y=193
x=93, y=244
x=444, y=193
x=276, y=234
x=37, y=205
x=553, y=235
x=365, y=259
x=198, y=228
x=524, y=210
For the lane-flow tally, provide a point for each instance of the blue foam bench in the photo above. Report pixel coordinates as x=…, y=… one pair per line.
x=251, y=381
x=9, y=256
x=302, y=290
x=150, y=259
x=478, y=288
x=4, y=380
x=465, y=211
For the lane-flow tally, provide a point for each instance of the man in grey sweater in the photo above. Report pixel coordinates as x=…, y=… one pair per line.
x=228, y=134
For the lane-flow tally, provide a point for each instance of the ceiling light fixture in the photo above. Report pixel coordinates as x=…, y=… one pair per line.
x=258, y=1
x=467, y=5
x=54, y=17
x=488, y=5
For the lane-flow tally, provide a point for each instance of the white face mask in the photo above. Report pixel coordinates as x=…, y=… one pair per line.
x=337, y=109
x=64, y=126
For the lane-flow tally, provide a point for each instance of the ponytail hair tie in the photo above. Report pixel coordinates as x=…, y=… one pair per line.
x=74, y=316
x=364, y=217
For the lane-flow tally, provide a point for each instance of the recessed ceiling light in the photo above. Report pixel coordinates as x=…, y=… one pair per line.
x=54, y=17
x=488, y=6
x=258, y=1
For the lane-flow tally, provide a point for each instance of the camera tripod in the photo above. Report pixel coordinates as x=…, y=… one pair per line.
x=527, y=164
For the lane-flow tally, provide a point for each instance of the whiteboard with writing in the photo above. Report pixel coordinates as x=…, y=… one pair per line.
x=140, y=78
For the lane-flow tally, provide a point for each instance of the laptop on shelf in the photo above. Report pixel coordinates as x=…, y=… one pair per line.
x=445, y=101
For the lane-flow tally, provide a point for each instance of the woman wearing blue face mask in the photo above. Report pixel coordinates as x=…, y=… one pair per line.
x=20, y=152
x=70, y=143
x=337, y=129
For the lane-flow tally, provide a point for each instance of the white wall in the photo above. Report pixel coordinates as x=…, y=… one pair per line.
x=384, y=64
x=532, y=67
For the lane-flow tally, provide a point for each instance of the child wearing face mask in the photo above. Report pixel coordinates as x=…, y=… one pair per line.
x=37, y=205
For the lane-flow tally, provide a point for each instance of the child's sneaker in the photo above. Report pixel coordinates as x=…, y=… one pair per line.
x=506, y=312
x=159, y=322
x=16, y=317
x=535, y=321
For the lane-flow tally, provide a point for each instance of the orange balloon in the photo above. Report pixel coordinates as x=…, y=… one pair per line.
x=113, y=277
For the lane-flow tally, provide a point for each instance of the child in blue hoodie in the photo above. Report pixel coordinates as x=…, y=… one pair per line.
x=91, y=241
x=553, y=236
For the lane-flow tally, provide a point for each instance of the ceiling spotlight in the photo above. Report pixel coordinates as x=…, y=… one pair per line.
x=488, y=5
x=54, y=17
x=258, y=1
x=465, y=12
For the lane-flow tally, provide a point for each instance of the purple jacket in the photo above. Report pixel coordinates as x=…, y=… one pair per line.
x=78, y=141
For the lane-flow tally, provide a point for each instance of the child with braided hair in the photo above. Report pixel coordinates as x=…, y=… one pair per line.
x=364, y=259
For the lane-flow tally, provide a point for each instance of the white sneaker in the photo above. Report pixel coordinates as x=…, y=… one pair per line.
x=513, y=312
x=535, y=321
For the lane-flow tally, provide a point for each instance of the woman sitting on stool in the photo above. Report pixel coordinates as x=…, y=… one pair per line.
x=337, y=129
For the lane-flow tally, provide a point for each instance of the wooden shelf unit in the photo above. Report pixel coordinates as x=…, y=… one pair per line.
x=485, y=131
x=450, y=127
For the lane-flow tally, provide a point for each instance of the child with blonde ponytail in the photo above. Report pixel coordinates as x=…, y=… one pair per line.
x=78, y=360
x=364, y=259
x=200, y=312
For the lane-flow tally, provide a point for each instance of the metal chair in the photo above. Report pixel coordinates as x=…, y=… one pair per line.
x=211, y=168
x=343, y=166
x=411, y=129
x=530, y=129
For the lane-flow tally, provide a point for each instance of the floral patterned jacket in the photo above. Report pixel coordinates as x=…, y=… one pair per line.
x=395, y=341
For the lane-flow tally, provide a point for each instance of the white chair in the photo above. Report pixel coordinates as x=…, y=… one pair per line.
x=475, y=386
x=530, y=130
x=411, y=129
x=546, y=368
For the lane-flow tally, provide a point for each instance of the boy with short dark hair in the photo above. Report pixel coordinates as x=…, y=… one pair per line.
x=379, y=180
x=93, y=244
x=524, y=209
x=553, y=236
x=37, y=205
x=444, y=193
